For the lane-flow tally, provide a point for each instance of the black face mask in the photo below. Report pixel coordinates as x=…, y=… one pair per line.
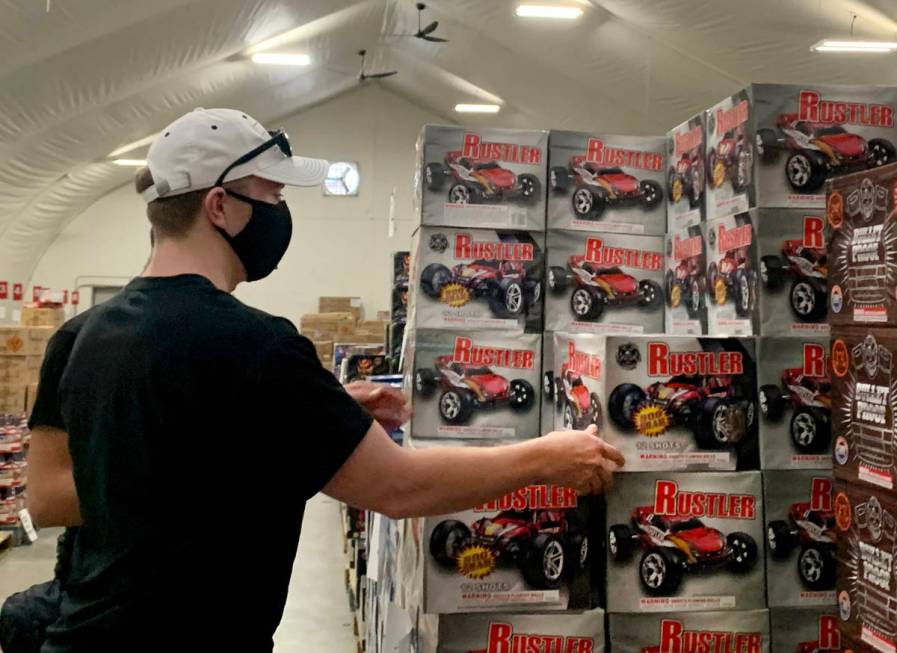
x=265, y=238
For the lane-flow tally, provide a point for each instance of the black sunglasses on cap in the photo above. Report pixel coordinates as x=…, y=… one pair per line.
x=278, y=138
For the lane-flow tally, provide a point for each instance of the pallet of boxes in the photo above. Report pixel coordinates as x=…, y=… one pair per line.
x=862, y=258
x=339, y=331
x=514, y=573
x=22, y=350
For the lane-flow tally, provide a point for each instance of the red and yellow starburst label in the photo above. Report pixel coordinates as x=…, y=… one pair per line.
x=454, y=295
x=651, y=421
x=476, y=561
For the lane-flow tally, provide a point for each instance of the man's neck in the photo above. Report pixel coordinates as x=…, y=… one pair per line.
x=211, y=260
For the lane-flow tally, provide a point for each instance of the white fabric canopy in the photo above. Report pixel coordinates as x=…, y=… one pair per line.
x=92, y=75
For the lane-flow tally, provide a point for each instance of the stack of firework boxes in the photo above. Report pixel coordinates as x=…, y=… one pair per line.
x=513, y=574
x=860, y=210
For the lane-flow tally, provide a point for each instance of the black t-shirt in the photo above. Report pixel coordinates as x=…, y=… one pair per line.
x=198, y=429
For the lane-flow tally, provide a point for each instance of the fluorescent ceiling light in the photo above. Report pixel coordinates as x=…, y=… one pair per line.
x=548, y=11
x=832, y=45
x=134, y=163
x=477, y=108
x=281, y=59
x=133, y=146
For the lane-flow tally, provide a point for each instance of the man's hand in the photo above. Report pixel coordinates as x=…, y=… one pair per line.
x=581, y=460
x=387, y=405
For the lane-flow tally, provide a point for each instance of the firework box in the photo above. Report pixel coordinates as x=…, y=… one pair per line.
x=679, y=403
x=685, y=281
x=729, y=157
x=736, y=631
x=477, y=279
x=805, y=630
x=685, y=174
x=581, y=632
x=491, y=178
x=863, y=248
x=800, y=538
x=607, y=183
x=807, y=134
x=527, y=551
x=732, y=275
x=477, y=384
x=867, y=582
x=864, y=388
x=548, y=384
x=604, y=283
x=578, y=381
x=795, y=403
x=793, y=272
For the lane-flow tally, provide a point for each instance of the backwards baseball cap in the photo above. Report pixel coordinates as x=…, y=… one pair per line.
x=208, y=147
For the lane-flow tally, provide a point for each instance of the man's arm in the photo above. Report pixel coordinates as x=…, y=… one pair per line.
x=51, y=497
x=401, y=482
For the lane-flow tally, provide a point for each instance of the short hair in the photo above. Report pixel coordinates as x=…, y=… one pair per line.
x=170, y=217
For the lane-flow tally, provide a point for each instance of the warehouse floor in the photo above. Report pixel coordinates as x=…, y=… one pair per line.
x=316, y=617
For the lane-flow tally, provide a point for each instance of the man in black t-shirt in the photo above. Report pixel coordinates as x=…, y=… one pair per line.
x=184, y=431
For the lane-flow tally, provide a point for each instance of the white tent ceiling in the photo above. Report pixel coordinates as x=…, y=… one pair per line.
x=89, y=76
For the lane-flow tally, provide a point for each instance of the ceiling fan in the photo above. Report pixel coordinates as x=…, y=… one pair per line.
x=363, y=76
x=425, y=33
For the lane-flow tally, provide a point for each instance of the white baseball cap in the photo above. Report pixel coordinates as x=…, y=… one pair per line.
x=194, y=151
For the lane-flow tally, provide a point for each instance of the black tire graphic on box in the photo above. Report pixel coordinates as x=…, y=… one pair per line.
x=711, y=424
x=772, y=272
x=743, y=169
x=530, y=187
x=586, y=204
x=624, y=400
x=559, y=179
x=805, y=170
x=651, y=193
x=808, y=300
x=456, y=406
x=578, y=551
x=660, y=572
x=768, y=145
x=744, y=552
x=810, y=429
x=507, y=299
x=743, y=293
x=693, y=303
x=545, y=563
x=434, y=176
x=772, y=402
x=816, y=568
x=433, y=278
x=548, y=384
x=557, y=278
x=620, y=543
x=780, y=540
x=461, y=194
x=522, y=395
x=881, y=152
x=447, y=540
x=425, y=382
x=650, y=294
x=587, y=303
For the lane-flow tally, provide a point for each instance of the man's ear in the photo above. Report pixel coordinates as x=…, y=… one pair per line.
x=213, y=207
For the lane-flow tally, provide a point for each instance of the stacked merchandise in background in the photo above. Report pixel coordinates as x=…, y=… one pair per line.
x=11, y=295
x=338, y=331
x=860, y=209
x=398, y=307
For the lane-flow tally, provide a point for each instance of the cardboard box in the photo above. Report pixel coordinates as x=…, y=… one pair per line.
x=326, y=326
x=793, y=254
x=804, y=630
x=478, y=384
x=604, y=283
x=14, y=340
x=341, y=305
x=43, y=317
x=654, y=518
x=607, y=183
x=14, y=370
x=741, y=631
x=474, y=560
x=795, y=403
x=685, y=281
x=862, y=254
x=497, y=633
x=867, y=583
x=732, y=275
x=477, y=279
x=488, y=178
x=863, y=386
x=324, y=348
x=675, y=403
x=730, y=157
x=800, y=538
x=686, y=174
x=12, y=397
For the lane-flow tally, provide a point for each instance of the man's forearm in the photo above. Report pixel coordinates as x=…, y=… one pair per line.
x=449, y=479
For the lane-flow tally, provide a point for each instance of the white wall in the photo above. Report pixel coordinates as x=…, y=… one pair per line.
x=340, y=245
